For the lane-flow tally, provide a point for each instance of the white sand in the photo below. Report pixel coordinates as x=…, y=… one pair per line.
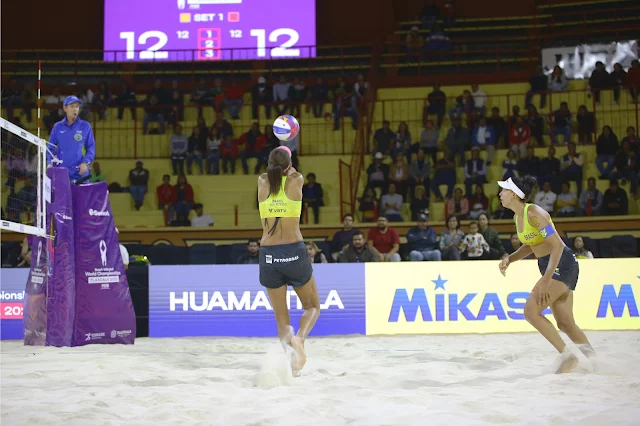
x=418, y=380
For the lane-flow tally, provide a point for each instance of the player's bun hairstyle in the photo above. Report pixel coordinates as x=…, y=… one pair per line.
x=527, y=184
x=279, y=160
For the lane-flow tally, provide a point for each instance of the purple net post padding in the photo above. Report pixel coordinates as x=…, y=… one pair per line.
x=35, y=301
x=60, y=258
x=104, y=309
x=228, y=300
x=12, y=297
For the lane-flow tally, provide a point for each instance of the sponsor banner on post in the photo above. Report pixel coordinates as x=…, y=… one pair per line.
x=104, y=310
x=228, y=300
x=447, y=297
x=12, y=297
x=35, y=303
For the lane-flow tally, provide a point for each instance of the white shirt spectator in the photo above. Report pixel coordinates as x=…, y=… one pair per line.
x=395, y=199
x=202, y=221
x=125, y=256
x=546, y=200
x=474, y=244
x=479, y=98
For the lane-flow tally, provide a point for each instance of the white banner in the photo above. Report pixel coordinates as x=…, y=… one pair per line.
x=578, y=62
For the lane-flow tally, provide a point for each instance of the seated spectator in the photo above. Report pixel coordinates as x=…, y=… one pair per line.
x=360, y=87
x=383, y=139
x=252, y=256
x=614, y=200
x=96, y=173
x=359, y=251
x=550, y=170
x=458, y=205
x=201, y=96
x=499, y=126
x=126, y=99
x=437, y=101
x=484, y=138
x=346, y=105
x=414, y=41
x=496, y=249
x=319, y=96
x=546, y=198
x=516, y=244
x=513, y=119
x=510, y=166
x=223, y=126
x=519, y=137
x=53, y=104
x=599, y=81
x=13, y=206
x=297, y=95
x=179, y=144
x=402, y=143
x=229, y=155
x=479, y=100
x=247, y=146
x=184, y=201
x=538, y=86
x=437, y=40
x=341, y=239
x=558, y=82
x=590, y=202
x=378, y=173
x=153, y=112
x=529, y=165
x=419, y=203
x=281, y=95
x=139, y=180
x=176, y=111
x=167, y=197
x=272, y=141
x=536, y=125
x=27, y=195
x=419, y=172
x=474, y=245
x=293, y=147
x=562, y=124
x=423, y=241
x=429, y=140
x=11, y=97
x=368, y=207
x=606, y=149
x=261, y=95
x=478, y=203
x=571, y=166
x=15, y=166
x=313, y=196
x=451, y=239
x=586, y=125
x=632, y=138
x=196, y=148
x=464, y=105
x=579, y=250
x=213, y=150
x=234, y=98
x=566, y=202
x=262, y=150
x=475, y=171
x=445, y=174
x=315, y=254
x=201, y=219
x=218, y=95
x=399, y=175
x=385, y=241
x=626, y=167
x=390, y=205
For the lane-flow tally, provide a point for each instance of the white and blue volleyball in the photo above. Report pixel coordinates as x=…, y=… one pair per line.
x=286, y=127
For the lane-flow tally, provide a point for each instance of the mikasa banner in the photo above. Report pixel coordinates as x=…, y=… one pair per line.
x=578, y=62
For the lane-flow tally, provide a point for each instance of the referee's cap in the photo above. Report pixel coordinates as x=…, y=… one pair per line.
x=71, y=99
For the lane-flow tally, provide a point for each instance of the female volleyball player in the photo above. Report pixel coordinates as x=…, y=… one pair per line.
x=557, y=264
x=283, y=256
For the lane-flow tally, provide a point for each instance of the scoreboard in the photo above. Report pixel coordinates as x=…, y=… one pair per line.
x=208, y=30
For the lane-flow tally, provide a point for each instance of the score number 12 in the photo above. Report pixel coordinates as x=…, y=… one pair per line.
x=283, y=51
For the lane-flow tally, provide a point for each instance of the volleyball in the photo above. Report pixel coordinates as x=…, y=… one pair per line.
x=286, y=127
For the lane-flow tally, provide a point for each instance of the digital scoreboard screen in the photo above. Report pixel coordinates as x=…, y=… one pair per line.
x=208, y=30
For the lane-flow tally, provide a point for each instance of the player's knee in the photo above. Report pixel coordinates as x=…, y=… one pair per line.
x=566, y=326
x=531, y=311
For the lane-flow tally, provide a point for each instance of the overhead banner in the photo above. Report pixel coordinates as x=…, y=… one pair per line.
x=228, y=300
x=578, y=62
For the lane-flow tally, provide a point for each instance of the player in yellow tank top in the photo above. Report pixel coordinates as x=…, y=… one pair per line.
x=557, y=264
x=284, y=260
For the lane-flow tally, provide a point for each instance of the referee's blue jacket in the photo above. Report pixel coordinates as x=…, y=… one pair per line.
x=75, y=144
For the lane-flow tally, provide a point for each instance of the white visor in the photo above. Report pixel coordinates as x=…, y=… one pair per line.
x=511, y=186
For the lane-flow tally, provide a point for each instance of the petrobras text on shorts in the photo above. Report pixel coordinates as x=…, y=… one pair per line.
x=93, y=212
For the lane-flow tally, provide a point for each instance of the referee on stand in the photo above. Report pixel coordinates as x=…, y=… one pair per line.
x=74, y=141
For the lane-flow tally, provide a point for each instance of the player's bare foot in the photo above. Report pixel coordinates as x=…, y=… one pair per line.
x=569, y=362
x=300, y=357
x=587, y=350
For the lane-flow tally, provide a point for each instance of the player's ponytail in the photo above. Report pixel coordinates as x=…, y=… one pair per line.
x=279, y=161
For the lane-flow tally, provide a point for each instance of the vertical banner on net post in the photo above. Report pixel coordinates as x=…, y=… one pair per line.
x=228, y=300
x=447, y=297
x=35, y=297
x=104, y=310
x=12, y=296
x=58, y=252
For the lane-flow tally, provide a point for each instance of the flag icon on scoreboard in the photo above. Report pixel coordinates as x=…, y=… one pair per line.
x=233, y=17
x=185, y=18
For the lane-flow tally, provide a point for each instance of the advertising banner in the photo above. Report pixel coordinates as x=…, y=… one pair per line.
x=443, y=297
x=104, y=310
x=228, y=300
x=12, y=295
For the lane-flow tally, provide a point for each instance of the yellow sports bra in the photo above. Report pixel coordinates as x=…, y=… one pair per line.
x=530, y=235
x=280, y=205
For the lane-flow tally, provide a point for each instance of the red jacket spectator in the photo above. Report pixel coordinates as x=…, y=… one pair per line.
x=261, y=143
x=518, y=135
x=229, y=148
x=188, y=192
x=166, y=194
x=633, y=77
